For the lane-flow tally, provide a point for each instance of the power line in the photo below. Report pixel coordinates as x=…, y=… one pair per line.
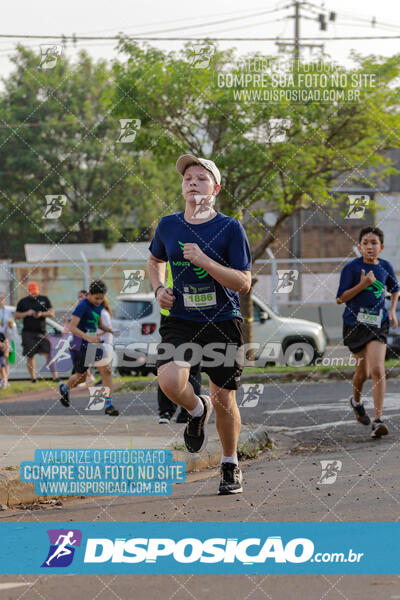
x=258, y=24
x=84, y=37
x=173, y=20
x=264, y=12
x=194, y=38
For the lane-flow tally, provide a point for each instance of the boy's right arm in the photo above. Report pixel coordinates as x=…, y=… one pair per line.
x=73, y=327
x=365, y=281
x=156, y=270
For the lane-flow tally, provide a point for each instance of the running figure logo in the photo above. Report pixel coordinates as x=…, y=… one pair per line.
x=97, y=397
x=329, y=471
x=278, y=129
x=252, y=394
x=204, y=206
x=49, y=55
x=357, y=206
x=132, y=280
x=286, y=281
x=54, y=206
x=200, y=55
x=129, y=129
x=62, y=547
x=62, y=354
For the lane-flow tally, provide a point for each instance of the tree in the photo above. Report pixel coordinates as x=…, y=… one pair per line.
x=58, y=136
x=184, y=109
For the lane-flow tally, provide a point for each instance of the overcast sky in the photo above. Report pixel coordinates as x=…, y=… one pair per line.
x=101, y=17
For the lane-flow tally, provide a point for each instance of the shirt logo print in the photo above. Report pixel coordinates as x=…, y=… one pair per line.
x=379, y=287
x=199, y=271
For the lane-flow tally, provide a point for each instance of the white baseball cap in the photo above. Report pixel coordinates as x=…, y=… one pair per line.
x=187, y=159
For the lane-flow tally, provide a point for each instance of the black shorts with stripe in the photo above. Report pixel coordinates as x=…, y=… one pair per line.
x=177, y=332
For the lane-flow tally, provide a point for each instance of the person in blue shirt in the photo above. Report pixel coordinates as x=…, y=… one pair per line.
x=86, y=319
x=366, y=321
x=210, y=263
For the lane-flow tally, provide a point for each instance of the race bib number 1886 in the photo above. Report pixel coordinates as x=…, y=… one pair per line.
x=199, y=296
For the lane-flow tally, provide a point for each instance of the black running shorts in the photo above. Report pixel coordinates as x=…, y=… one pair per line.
x=79, y=359
x=177, y=331
x=356, y=337
x=34, y=343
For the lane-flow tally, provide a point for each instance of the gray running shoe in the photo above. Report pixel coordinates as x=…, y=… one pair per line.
x=360, y=413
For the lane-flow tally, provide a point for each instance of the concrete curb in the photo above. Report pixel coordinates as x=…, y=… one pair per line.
x=14, y=492
x=250, y=442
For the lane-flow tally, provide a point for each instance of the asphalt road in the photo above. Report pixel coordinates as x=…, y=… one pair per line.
x=310, y=423
x=315, y=414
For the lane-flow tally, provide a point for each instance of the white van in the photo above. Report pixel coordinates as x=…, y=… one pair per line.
x=290, y=341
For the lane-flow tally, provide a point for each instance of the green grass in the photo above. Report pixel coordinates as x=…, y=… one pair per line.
x=16, y=386
x=313, y=368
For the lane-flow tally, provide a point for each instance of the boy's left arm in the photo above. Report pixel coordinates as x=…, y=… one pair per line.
x=392, y=311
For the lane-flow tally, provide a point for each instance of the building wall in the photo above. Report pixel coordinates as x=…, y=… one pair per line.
x=389, y=221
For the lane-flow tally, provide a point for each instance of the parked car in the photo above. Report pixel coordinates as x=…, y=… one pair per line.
x=18, y=370
x=137, y=317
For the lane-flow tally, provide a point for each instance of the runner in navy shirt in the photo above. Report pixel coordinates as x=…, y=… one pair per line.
x=366, y=321
x=86, y=319
x=210, y=264
x=89, y=317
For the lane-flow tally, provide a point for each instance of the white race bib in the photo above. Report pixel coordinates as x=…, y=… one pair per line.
x=199, y=296
x=369, y=318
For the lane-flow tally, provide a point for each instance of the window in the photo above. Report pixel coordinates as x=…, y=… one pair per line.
x=128, y=310
x=256, y=313
x=259, y=315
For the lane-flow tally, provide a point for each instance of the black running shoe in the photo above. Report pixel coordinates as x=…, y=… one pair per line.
x=183, y=416
x=379, y=428
x=231, y=479
x=195, y=434
x=360, y=413
x=111, y=411
x=64, y=395
x=165, y=417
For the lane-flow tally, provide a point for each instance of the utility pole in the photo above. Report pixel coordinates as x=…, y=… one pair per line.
x=296, y=30
x=296, y=220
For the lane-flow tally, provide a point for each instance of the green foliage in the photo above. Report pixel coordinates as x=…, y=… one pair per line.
x=59, y=136
x=187, y=111
x=59, y=132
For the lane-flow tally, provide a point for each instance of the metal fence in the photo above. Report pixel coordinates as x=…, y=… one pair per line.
x=317, y=280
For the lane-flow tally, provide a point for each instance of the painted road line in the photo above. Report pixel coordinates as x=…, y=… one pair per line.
x=11, y=585
x=318, y=427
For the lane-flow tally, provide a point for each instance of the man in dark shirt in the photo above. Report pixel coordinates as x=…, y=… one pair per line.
x=34, y=309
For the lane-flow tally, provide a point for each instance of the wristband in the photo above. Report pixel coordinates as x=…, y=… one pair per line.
x=156, y=290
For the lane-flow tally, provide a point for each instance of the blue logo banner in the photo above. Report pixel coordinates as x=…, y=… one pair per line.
x=251, y=548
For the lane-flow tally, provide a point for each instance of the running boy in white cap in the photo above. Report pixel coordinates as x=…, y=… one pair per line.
x=210, y=263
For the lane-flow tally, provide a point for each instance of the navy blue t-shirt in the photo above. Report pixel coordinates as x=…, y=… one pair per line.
x=199, y=297
x=89, y=315
x=371, y=301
